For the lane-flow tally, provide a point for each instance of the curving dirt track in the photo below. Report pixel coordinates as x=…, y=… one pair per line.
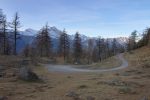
x=71, y=68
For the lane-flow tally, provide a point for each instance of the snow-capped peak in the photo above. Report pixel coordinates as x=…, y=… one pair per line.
x=29, y=32
x=54, y=32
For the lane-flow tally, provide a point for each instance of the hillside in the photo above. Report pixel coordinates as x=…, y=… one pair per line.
x=74, y=50
x=131, y=83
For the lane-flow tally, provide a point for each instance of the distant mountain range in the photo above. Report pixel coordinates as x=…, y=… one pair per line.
x=28, y=36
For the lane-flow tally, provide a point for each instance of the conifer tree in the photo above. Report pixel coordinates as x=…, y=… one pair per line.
x=77, y=48
x=64, y=45
x=43, y=42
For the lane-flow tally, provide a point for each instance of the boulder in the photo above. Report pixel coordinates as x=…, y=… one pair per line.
x=90, y=98
x=74, y=95
x=3, y=98
x=27, y=74
x=144, y=98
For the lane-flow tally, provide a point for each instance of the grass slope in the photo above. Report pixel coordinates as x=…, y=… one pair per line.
x=131, y=83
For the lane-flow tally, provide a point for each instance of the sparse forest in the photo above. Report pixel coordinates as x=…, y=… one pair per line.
x=55, y=65
x=95, y=50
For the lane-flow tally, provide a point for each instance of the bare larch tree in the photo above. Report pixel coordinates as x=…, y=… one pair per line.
x=15, y=25
x=64, y=45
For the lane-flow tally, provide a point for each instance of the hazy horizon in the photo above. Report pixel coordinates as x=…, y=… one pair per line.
x=106, y=18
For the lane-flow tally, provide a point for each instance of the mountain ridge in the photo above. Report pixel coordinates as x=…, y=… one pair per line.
x=29, y=35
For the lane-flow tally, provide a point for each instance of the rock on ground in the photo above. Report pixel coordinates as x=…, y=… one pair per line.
x=27, y=74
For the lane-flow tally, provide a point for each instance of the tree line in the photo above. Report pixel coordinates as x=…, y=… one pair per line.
x=136, y=41
x=72, y=51
x=94, y=50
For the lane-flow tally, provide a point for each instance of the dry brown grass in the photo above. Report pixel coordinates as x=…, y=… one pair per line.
x=9, y=61
x=107, y=63
x=126, y=84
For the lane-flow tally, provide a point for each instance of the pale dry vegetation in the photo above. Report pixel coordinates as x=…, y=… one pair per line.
x=131, y=83
x=107, y=63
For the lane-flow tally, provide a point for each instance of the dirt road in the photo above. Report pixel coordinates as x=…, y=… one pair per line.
x=72, y=68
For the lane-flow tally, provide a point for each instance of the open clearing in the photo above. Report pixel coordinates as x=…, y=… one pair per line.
x=131, y=83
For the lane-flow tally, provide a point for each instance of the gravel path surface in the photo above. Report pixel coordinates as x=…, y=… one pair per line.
x=71, y=68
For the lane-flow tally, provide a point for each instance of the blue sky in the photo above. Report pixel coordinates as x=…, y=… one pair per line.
x=106, y=18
